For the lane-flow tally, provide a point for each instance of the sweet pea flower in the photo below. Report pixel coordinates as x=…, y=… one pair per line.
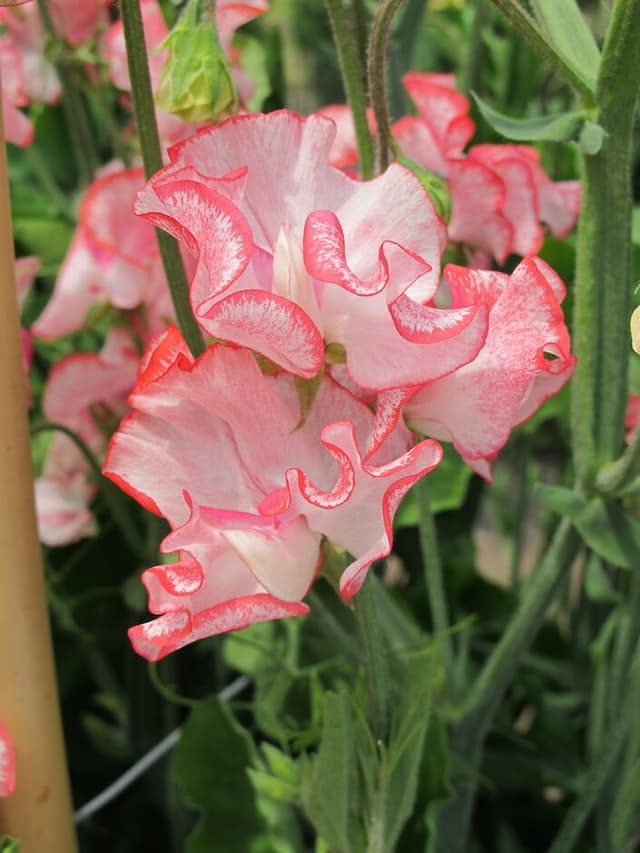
x=525, y=359
x=113, y=258
x=293, y=255
x=77, y=387
x=7, y=763
x=25, y=35
x=500, y=194
x=632, y=417
x=443, y=126
x=17, y=127
x=247, y=528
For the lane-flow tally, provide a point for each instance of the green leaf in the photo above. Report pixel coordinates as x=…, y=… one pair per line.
x=327, y=791
x=44, y=237
x=448, y=485
x=409, y=725
x=435, y=776
x=9, y=845
x=555, y=128
x=605, y=526
x=210, y=767
x=569, y=34
x=597, y=585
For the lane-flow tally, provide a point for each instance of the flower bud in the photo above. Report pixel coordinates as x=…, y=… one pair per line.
x=196, y=82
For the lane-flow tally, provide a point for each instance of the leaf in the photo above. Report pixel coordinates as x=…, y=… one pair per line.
x=596, y=582
x=555, y=128
x=326, y=792
x=448, y=485
x=436, y=771
x=569, y=34
x=210, y=767
x=9, y=845
x=410, y=722
x=44, y=237
x=605, y=526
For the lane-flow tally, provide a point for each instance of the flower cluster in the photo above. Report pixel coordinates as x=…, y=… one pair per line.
x=499, y=193
x=338, y=327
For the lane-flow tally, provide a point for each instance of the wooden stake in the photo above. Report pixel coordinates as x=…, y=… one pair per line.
x=39, y=812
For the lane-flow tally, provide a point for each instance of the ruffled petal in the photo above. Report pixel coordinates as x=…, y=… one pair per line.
x=7, y=763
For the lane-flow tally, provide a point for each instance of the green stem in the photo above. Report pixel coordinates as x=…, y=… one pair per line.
x=471, y=70
x=152, y=158
x=603, y=263
x=488, y=691
x=376, y=663
x=528, y=27
x=432, y=564
x=113, y=498
x=596, y=778
x=78, y=128
x=377, y=73
x=618, y=474
x=352, y=82
x=359, y=17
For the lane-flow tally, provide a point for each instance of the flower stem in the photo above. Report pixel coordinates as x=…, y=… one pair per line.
x=152, y=158
x=488, y=691
x=78, y=128
x=432, y=564
x=596, y=778
x=603, y=262
x=377, y=73
x=352, y=81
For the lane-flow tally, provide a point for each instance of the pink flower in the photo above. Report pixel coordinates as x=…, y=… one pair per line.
x=26, y=270
x=632, y=417
x=292, y=254
x=7, y=763
x=113, y=258
x=500, y=194
x=17, y=127
x=247, y=524
x=80, y=388
x=525, y=359
x=77, y=20
x=443, y=126
x=25, y=34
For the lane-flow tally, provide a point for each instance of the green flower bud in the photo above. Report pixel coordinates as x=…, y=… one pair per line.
x=196, y=82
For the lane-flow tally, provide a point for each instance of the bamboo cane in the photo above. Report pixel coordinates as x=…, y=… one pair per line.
x=39, y=812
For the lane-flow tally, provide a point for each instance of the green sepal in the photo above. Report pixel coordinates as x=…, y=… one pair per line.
x=434, y=185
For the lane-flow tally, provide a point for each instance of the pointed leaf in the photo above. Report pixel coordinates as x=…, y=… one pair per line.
x=326, y=793
x=556, y=128
x=568, y=32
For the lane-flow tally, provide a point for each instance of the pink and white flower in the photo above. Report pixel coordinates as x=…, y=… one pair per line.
x=7, y=763
x=113, y=258
x=344, y=152
x=525, y=359
x=293, y=255
x=17, y=127
x=219, y=450
x=78, y=387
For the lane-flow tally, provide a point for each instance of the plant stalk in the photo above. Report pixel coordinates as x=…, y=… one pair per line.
x=352, y=80
x=377, y=74
x=152, y=158
x=375, y=659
